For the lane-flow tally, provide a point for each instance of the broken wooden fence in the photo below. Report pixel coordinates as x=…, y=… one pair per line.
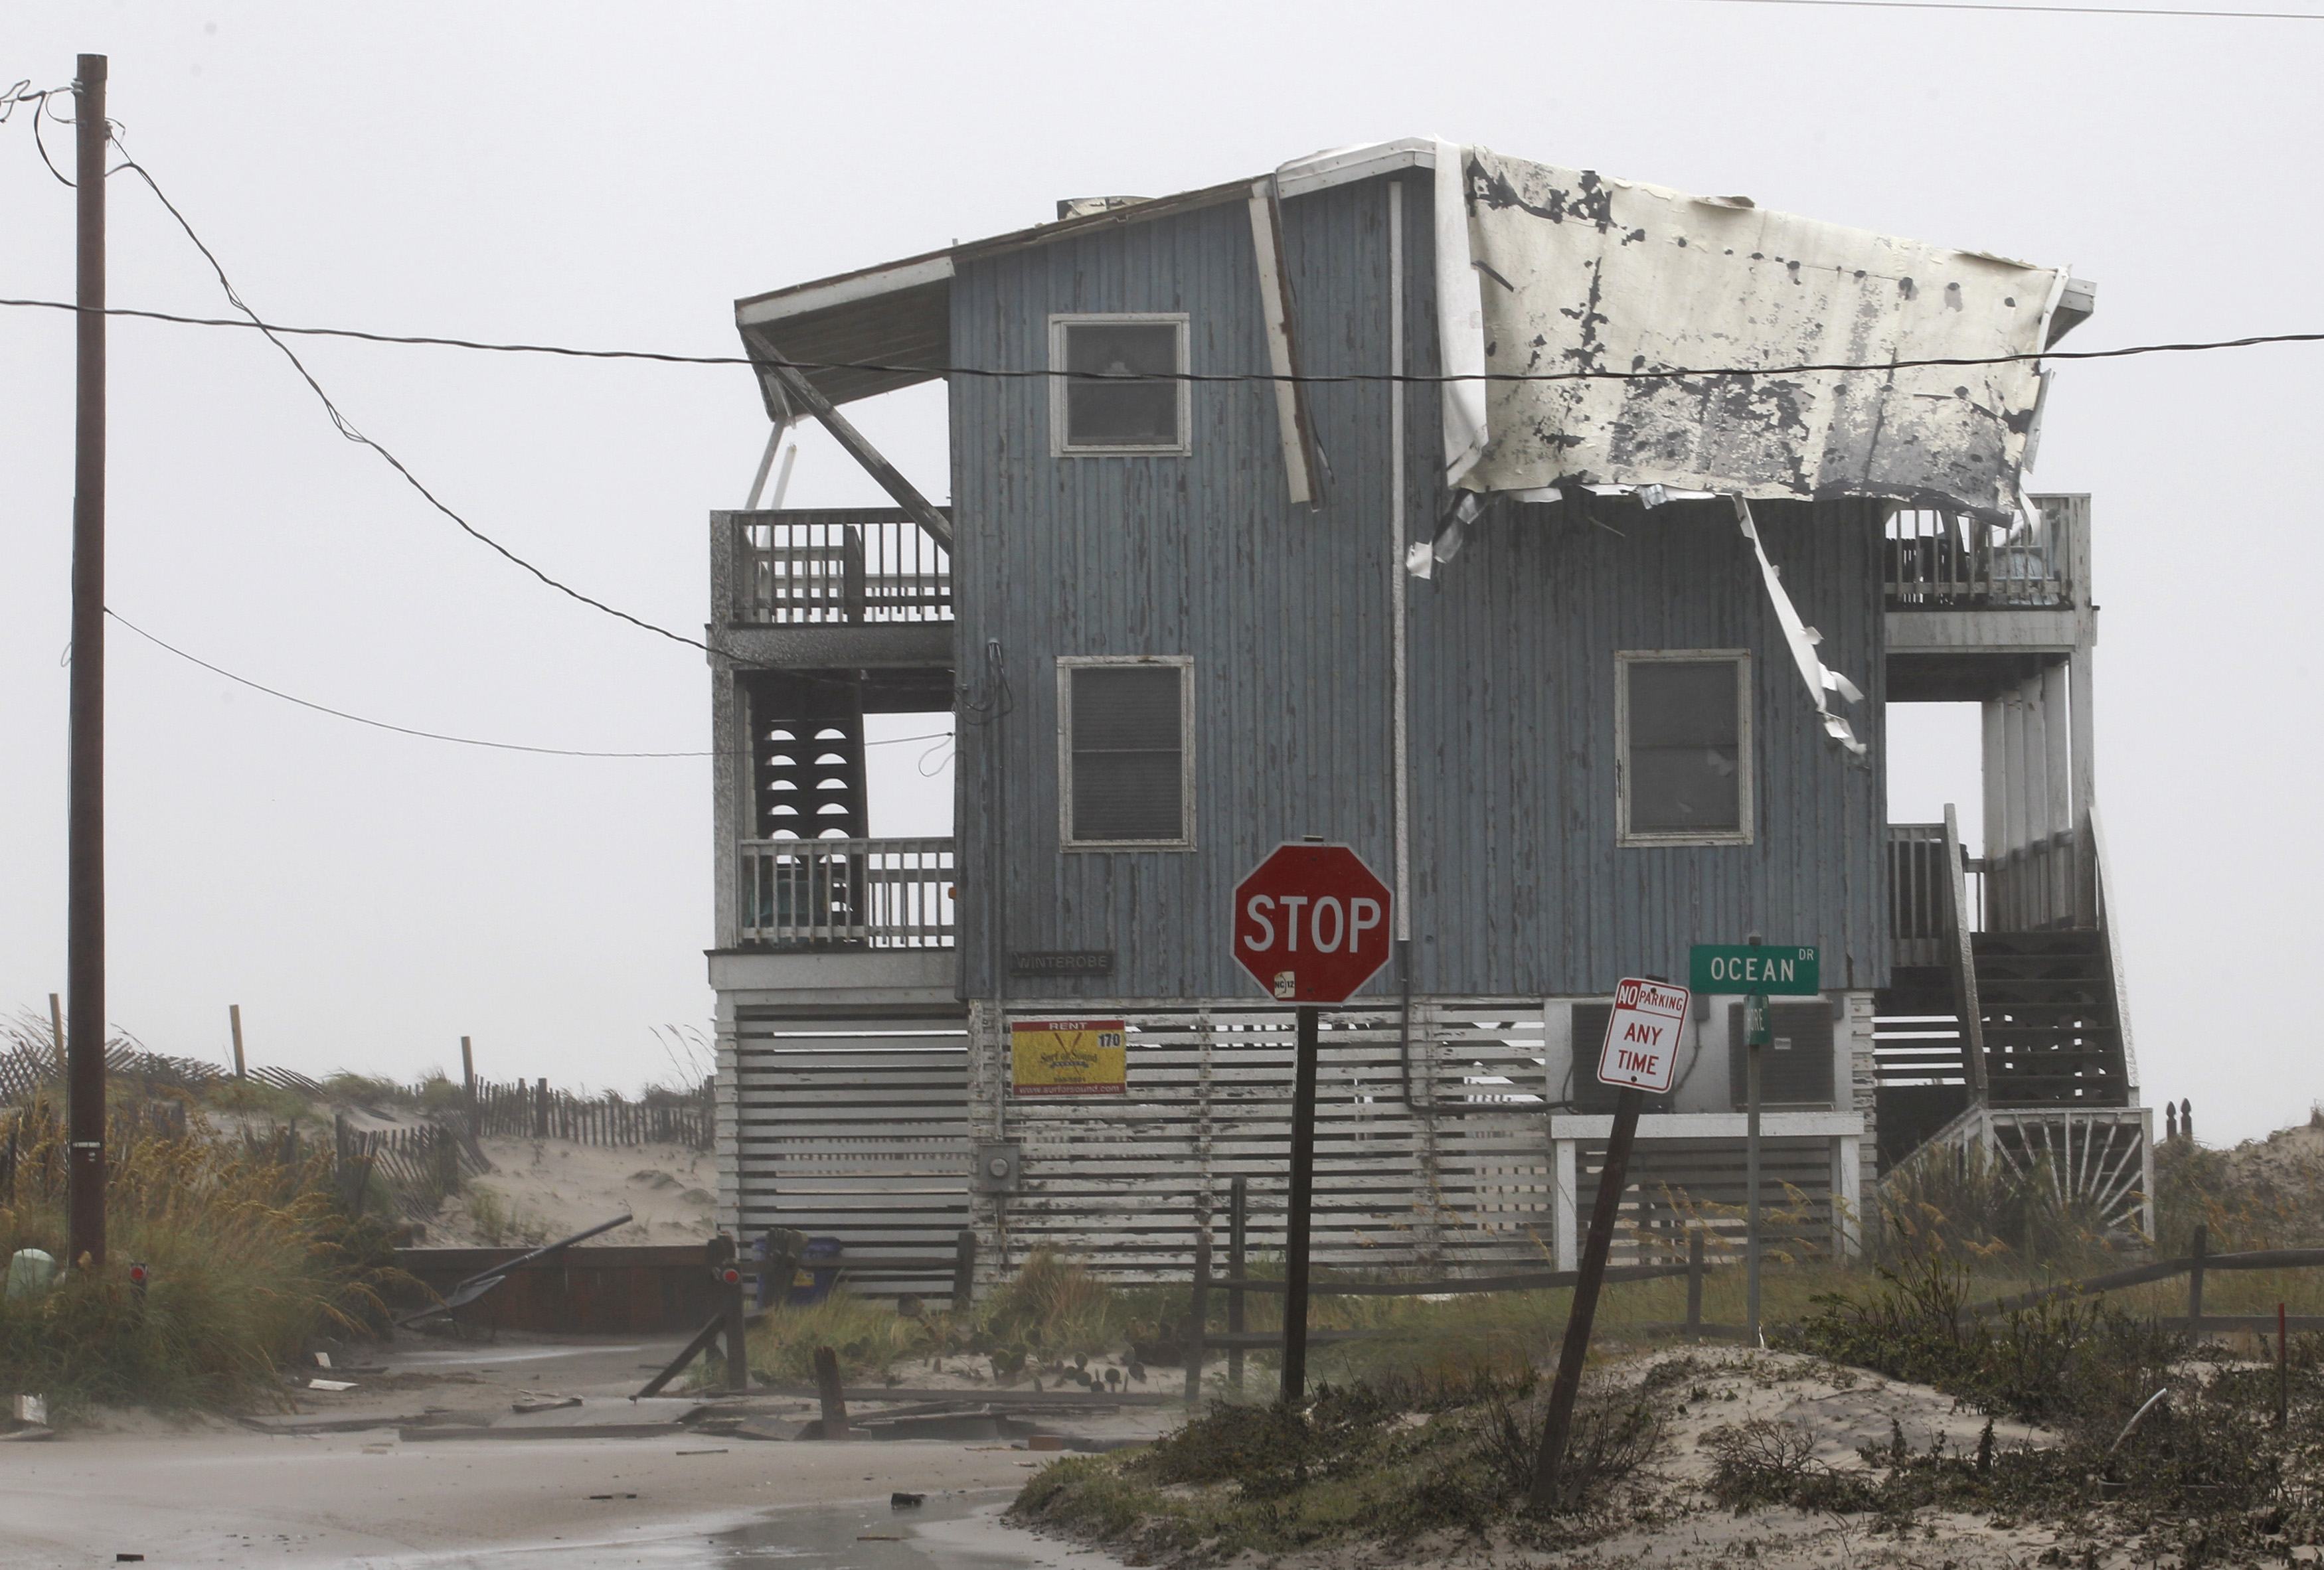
x=2195, y=1266
x=1199, y=1338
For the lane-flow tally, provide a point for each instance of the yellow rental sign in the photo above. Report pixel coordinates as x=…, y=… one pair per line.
x=1069, y=1057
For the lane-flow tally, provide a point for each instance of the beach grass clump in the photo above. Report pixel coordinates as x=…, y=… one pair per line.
x=252, y=1261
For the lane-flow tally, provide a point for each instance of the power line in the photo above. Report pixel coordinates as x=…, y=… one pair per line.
x=2042, y=10
x=438, y=735
x=1666, y=373
x=347, y=430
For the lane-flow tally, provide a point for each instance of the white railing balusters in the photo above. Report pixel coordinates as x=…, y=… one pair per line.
x=846, y=568
x=873, y=894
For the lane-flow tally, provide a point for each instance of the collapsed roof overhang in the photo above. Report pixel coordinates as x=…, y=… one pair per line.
x=1595, y=331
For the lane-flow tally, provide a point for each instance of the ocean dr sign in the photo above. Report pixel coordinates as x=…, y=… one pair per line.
x=1783, y=971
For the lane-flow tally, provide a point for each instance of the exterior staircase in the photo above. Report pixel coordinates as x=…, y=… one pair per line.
x=2051, y=1027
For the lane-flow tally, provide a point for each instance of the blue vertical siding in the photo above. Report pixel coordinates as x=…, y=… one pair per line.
x=1518, y=887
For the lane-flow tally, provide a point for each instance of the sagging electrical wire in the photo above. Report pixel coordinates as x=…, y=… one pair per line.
x=256, y=686
x=1305, y=379
x=347, y=430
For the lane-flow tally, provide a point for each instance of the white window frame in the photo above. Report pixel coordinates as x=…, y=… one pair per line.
x=1066, y=664
x=1059, y=447
x=1746, y=810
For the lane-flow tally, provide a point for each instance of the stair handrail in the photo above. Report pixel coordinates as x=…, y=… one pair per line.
x=2107, y=936
x=1964, y=958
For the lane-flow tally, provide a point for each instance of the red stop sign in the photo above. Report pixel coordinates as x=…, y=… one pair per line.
x=1311, y=922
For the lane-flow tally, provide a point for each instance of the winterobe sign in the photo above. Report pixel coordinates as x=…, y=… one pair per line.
x=1789, y=971
x=1641, y=1046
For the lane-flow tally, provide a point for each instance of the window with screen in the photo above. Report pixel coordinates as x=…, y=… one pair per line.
x=1683, y=721
x=1126, y=753
x=1145, y=411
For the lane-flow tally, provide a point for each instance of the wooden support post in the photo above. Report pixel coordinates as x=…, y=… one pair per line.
x=1237, y=1263
x=469, y=1068
x=2282, y=1369
x=1293, y=1387
x=2195, y=1281
x=1695, y=1283
x=1198, y=1317
x=540, y=1109
x=964, y=1270
x=834, y=1396
x=234, y=1020
x=84, y=1166
x=738, y=1352
x=1550, y=1460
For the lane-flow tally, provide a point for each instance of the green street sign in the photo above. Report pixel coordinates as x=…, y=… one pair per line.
x=1781, y=970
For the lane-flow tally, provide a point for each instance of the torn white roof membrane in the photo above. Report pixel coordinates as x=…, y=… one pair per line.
x=1577, y=271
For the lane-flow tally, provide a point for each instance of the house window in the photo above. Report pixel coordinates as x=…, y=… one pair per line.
x=1125, y=752
x=1682, y=741
x=1089, y=415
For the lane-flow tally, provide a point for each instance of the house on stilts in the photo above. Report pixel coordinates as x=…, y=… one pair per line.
x=1497, y=520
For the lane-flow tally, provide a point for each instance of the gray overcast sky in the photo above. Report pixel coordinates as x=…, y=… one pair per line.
x=618, y=174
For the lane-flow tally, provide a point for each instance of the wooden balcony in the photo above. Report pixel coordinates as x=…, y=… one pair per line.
x=834, y=588
x=826, y=894
x=1935, y=561
x=1974, y=609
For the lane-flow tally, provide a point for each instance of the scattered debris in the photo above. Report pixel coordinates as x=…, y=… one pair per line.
x=720, y=1451
x=540, y=1401
x=1044, y=1442
x=620, y=1495
x=900, y=1500
x=32, y=1410
x=330, y=1384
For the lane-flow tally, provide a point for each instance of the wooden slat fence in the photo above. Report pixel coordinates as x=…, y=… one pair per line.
x=517, y=1110
x=1429, y=1148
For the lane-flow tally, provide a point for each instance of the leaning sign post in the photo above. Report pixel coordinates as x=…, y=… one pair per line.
x=1757, y=971
x=1638, y=1055
x=1311, y=925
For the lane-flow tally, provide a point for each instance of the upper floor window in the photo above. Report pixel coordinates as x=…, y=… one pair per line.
x=1135, y=415
x=1125, y=752
x=1682, y=742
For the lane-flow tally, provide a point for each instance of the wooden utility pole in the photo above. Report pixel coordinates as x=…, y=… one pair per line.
x=1301, y=1202
x=1550, y=1460
x=85, y=858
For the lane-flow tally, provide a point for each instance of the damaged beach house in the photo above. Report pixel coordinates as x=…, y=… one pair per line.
x=1411, y=497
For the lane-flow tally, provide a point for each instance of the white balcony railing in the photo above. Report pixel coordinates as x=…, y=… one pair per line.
x=1939, y=561
x=849, y=894
x=844, y=567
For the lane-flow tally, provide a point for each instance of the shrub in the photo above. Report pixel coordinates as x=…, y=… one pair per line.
x=251, y=1260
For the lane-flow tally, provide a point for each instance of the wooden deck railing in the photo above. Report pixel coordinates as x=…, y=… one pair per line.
x=1942, y=562
x=850, y=566
x=867, y=894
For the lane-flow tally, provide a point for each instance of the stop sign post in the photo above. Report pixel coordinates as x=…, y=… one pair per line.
x=1312, y=924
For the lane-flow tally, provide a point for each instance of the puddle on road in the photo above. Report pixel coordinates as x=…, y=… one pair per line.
x=860, y=1538
x=870, y=1536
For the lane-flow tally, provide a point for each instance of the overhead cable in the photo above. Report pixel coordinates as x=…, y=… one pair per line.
x=889, y=367
x=2044, y=10
x=438, y=735
x=347, y=430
